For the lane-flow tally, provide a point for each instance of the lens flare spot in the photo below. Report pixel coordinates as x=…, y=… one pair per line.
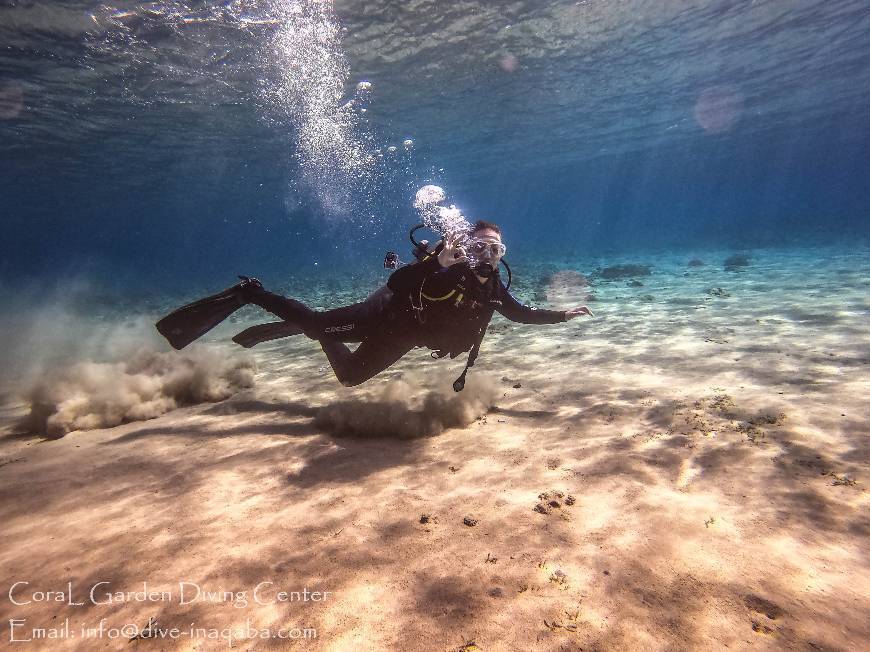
x=509, y=63
x=718, y=108
x=11, y=100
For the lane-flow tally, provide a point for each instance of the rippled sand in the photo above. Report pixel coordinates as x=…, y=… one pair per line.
x=713, y=443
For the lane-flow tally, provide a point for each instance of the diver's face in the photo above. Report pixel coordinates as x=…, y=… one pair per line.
x=486, y=245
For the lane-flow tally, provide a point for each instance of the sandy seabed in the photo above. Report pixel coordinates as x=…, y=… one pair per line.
x=687, y=470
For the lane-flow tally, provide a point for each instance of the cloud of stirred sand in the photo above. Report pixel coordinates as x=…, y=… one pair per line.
x=406, y=409
x=80, y=363
x=88, y=395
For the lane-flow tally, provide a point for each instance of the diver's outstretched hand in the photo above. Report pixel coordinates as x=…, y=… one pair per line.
x=576, y=312
x=453, y=252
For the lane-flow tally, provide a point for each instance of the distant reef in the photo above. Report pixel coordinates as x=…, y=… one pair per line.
x=736, y=262
x=616, y=272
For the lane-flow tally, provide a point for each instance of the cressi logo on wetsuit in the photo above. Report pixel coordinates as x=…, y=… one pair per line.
x=339, y=329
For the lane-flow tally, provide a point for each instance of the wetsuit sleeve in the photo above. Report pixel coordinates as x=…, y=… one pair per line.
x=518, y=312
x=408, y=277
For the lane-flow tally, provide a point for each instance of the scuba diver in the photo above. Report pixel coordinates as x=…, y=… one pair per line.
x=444, y=302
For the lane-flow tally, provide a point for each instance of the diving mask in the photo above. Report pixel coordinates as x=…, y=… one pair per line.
x=483, y=255
x=482, y=248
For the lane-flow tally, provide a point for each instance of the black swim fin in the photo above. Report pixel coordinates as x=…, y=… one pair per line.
x=190, y=322
x=266, y=332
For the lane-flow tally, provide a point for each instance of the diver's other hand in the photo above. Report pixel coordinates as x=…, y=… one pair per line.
x=576, y=312
x=453, y=251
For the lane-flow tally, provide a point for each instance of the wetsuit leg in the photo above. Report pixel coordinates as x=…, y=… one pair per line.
x=385, y=336
x=376, y=353
x=347, y=323
x=287, y=309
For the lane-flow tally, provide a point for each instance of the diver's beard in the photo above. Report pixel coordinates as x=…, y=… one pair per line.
x=484, y=269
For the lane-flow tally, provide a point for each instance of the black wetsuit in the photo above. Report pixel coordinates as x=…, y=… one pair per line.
x=444, y=309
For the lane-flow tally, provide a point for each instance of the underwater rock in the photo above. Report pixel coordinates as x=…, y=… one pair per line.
x=551, y=500
x=696, y=262
x=736, y=262
x=616, y=272
x=634, y=283
x=498, y=328
x=763, y=606
x=722, y=403
x=718, y=292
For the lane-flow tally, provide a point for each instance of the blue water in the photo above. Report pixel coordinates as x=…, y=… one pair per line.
x=139, y=149
x=710, y=419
